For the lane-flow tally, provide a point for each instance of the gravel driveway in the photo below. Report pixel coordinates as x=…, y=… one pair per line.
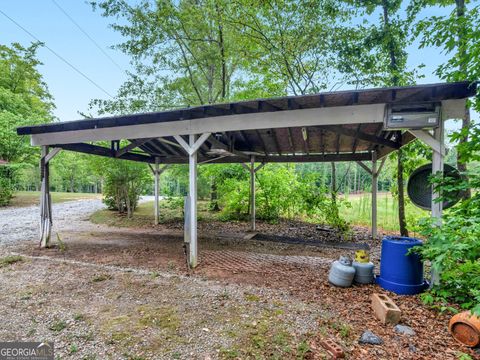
x=19, y=224
x=22, y=224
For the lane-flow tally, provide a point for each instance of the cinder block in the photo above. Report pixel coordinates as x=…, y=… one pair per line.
x=385, y=309
x=333, y=348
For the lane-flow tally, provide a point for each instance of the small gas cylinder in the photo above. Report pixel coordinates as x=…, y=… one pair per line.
x=342, y=272
x=363, y=268
x=363, y=272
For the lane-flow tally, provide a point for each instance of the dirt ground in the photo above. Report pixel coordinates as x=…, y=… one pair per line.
x=110, y=293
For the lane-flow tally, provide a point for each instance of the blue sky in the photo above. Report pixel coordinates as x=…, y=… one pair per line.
x=71, y=91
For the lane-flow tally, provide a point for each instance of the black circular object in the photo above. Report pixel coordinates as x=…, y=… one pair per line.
x=420, y=190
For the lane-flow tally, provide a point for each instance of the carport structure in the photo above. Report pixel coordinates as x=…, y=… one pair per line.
x=326, y=127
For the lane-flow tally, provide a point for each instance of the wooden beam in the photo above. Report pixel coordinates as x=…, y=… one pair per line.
x=355, y=139
x=102, y=151
x=429, y=139
x=133, y=144
x=337, y=143
x=405, y=139
x=275, y=139
x=262, y=141
x=172, y=149
x=51, y=154
x=364, y=156
x=365, y=167
x=338, y=115
x=363, y=136
x=214, y=141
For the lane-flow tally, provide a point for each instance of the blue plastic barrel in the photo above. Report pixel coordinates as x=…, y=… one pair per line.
x=399, y=272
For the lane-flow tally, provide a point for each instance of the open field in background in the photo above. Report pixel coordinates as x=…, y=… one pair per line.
x=357, y=210
x=27, y=198
x=170, y=211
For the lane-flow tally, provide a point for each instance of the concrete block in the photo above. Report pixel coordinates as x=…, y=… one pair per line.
x=333, y=348
x=385, y=309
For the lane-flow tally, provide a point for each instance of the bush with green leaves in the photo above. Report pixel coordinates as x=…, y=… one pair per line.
x=6, y=191
x=125, y=181
x=454, y=247
x=282, y=192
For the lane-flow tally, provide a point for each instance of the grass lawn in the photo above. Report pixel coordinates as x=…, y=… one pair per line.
x=360, y=211
x=170, y=211
x=357, y=211
x=27, y=198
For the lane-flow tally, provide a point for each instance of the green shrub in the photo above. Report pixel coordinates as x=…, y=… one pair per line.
x=6, y=191
x=281, y=192
x=454, y=247
x=124, y=183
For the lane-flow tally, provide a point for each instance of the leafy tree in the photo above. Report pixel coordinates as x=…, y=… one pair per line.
x=456, y=33
x=376, y=53
x=24, y=99
x=453, y=249
x=124, y=182
x=184, y=53
x=290, y=44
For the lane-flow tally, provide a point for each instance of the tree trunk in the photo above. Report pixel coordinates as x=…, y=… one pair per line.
x=334, y=183
x=462, y=167
x=214, y=196
x=401, y=196
x=395, y=82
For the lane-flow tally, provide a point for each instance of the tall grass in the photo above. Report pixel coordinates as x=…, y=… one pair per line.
x=358, y=210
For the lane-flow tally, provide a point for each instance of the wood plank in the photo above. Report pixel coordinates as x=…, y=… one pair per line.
x=252, y=121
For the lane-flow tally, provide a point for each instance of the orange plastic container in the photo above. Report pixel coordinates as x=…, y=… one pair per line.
x=465, y=328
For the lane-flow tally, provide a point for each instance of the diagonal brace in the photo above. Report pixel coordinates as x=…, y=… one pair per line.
x=51, y=155
x=428, y=139
x=192, y=149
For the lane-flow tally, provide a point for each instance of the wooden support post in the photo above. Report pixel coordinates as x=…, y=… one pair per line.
x=192, y=168
x=374, y=194
x=437, y=167
x=156, y=174
x=191, y=148
x=252, y=193
x=252, y=170
x=157, y=171
x=45, y=199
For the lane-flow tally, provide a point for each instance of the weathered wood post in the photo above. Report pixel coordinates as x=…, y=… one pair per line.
x=437, y=168
x=156, y=175
x=45, y=198
x=252, y=170
x=45, y=207
x=252, y=193
x=157, y=171
x=192, y=191
x=191, y=148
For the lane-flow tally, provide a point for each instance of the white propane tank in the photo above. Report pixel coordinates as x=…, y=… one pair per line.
x=363, y=268
x=342, y=272
x=363, y=272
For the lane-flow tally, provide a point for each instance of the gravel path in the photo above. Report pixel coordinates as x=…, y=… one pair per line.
x=18, y=224
x=22, y=224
